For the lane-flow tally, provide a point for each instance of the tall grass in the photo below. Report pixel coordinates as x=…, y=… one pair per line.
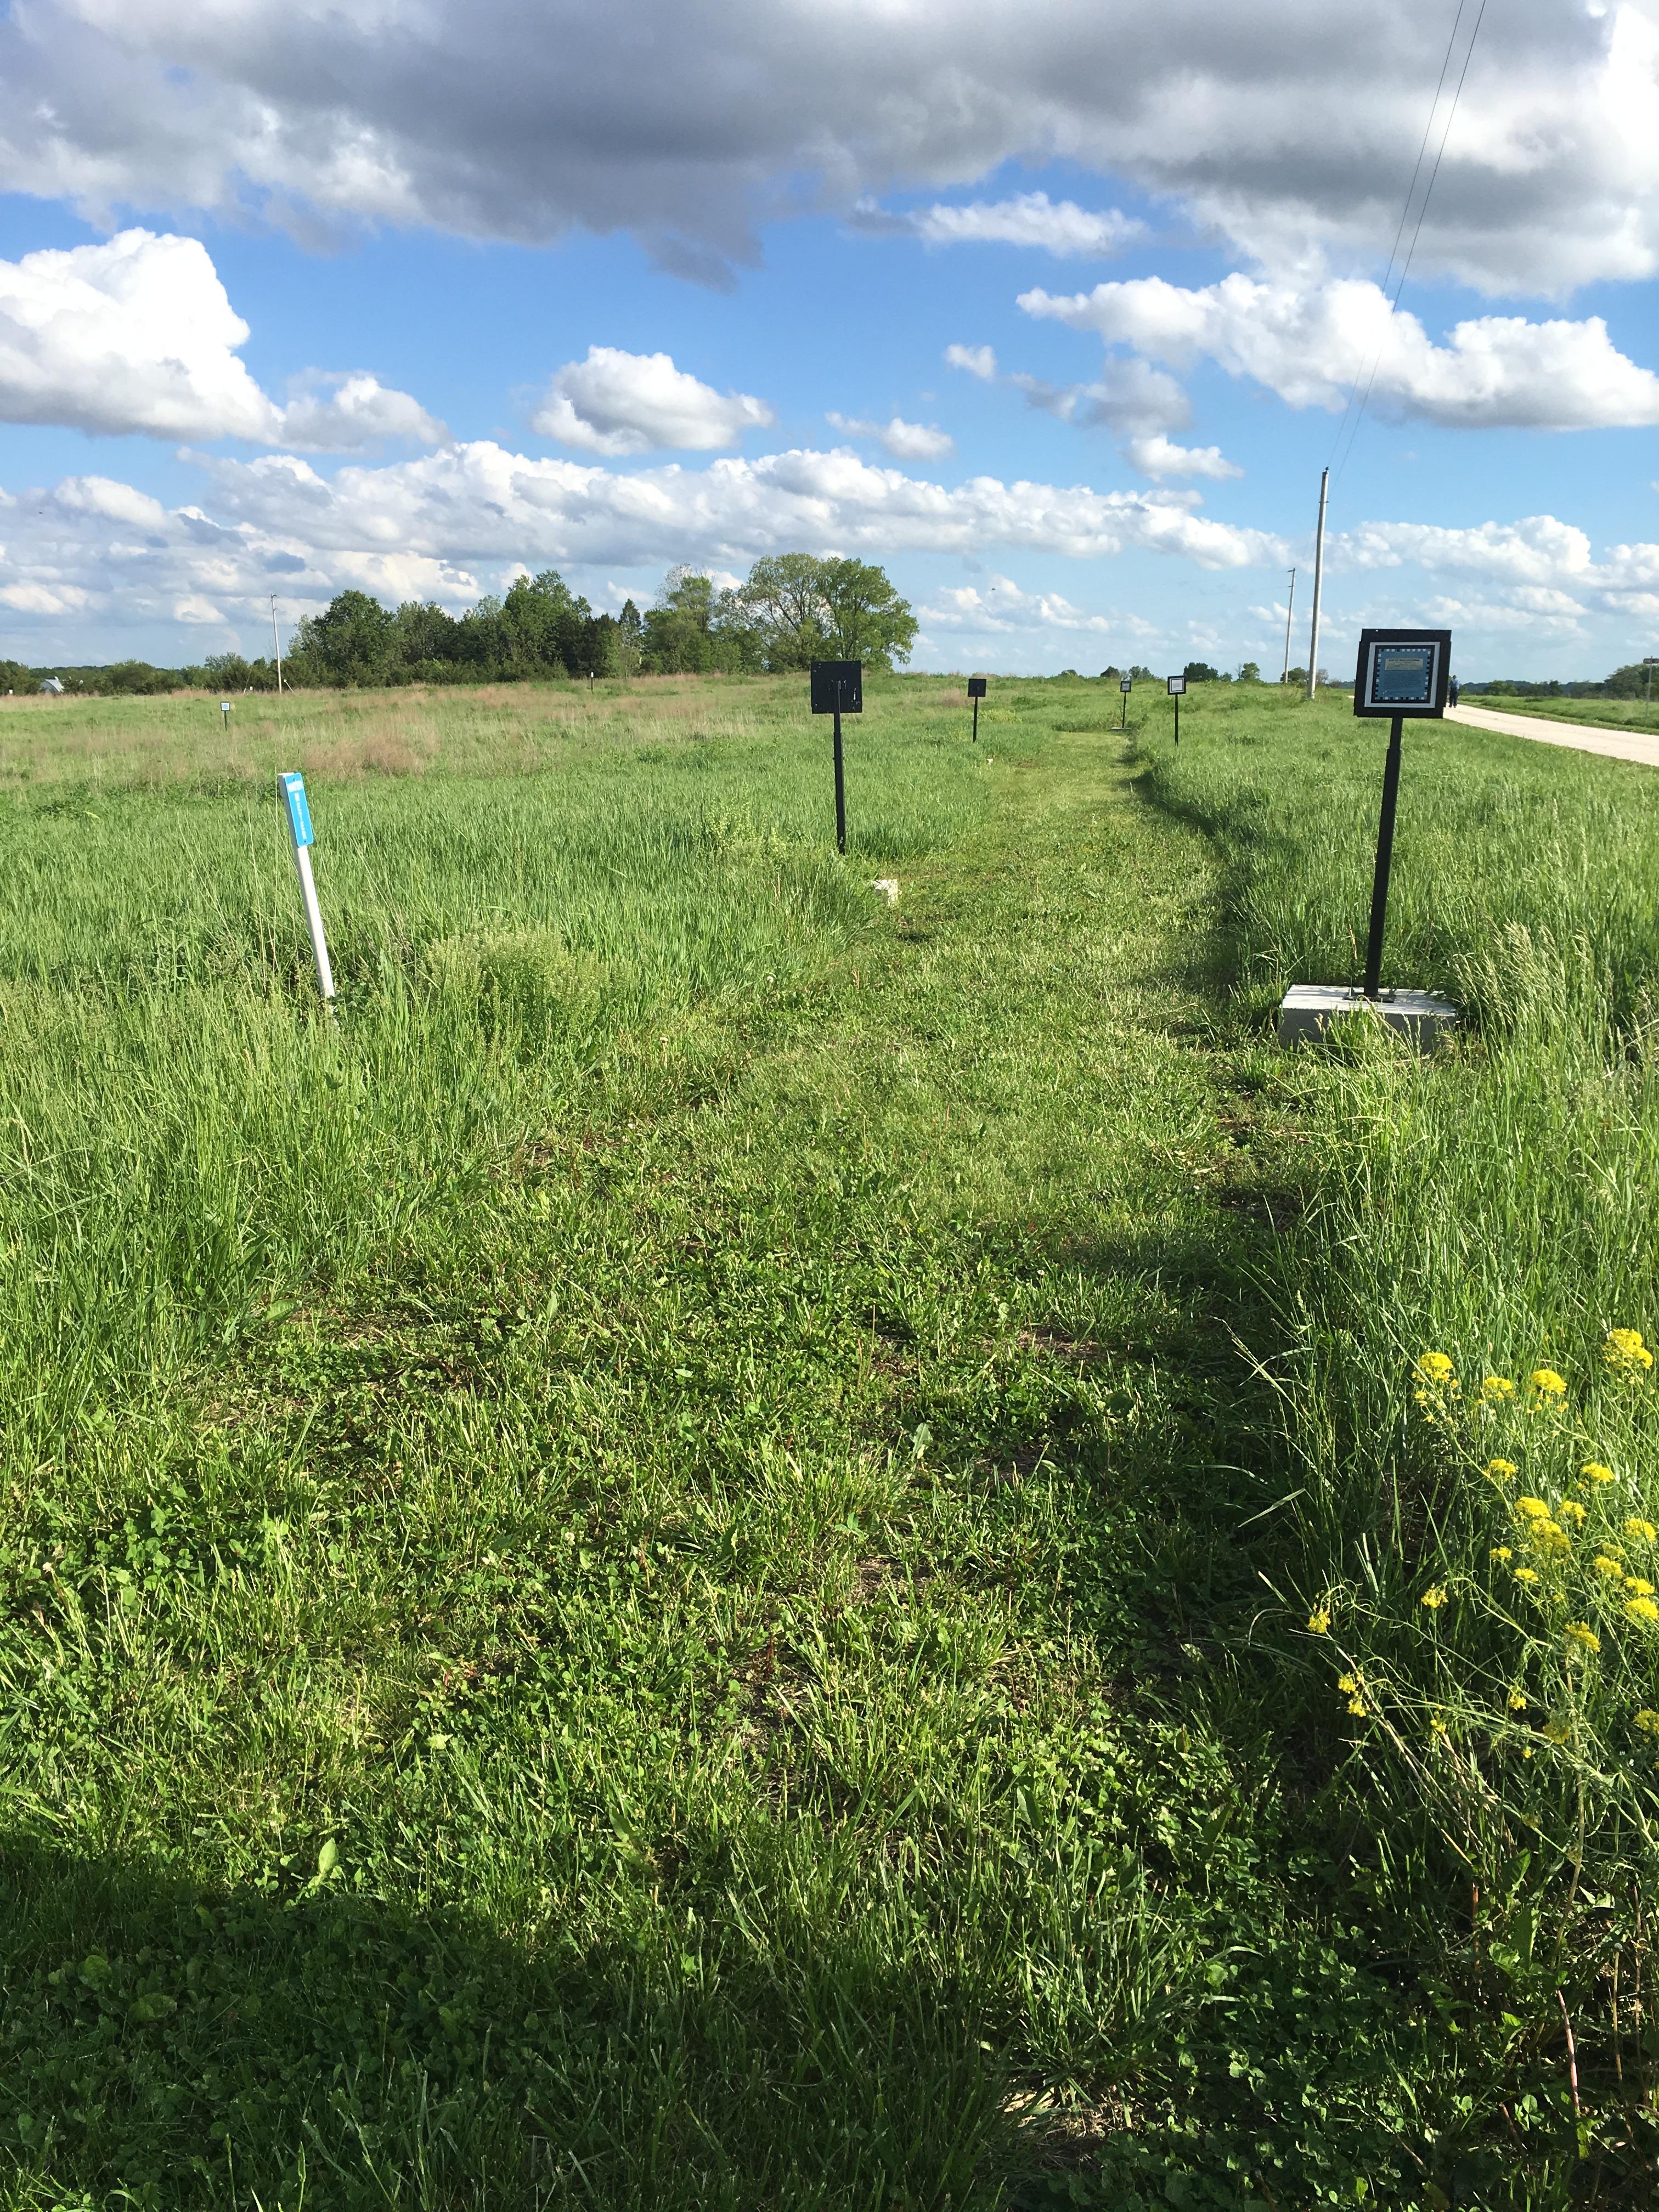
x=182, y=1137
x=1475, y=1441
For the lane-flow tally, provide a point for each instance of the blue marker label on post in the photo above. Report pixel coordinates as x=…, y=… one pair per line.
x=299, y=813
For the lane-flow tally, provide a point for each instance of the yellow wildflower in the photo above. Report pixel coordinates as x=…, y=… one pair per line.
x=1556, y=1729
x=1437, y=1727
x=1501, y=1470
x=1640, y=1532
x=1496, y=1387
x=1434, y=1599
x=1356, y=1706
x=1347, y=1684
x=1570, y=1509
x=1517, y=1701
x=1526, y=1574
x=1547, y=1382
x=1611, y=1568
x=1648, y=1721
x=1550, y=1538
x=1434, y=1367
x=1625, y=1351
x=1644, y=1611
x=1319, y=1620
x=1593, y=1471
x=1532, y=1508
x=1638, y=1586
x=1502, y=1552
x=1580, y=1631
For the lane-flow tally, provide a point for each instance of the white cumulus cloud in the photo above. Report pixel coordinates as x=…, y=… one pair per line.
x=1159, y=456
x=905, y=441
x=619, y=403
x=138, y=334
x=1310, y=346
x=1030, y=219
x=979, y=360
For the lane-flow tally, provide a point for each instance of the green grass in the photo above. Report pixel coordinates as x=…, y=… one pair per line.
x=1638, y=716
x=669, y=1567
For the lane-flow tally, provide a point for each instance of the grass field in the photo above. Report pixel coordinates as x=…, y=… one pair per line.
x=740, y=1547
x=1637, y=715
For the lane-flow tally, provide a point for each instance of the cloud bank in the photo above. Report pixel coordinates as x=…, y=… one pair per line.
x=137, y=334
x=688, y=123
x=1309, y=347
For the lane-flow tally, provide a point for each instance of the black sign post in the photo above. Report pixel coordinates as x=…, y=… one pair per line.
x=1126, y=684
x=1403, y=675
x=838, y=690
x=975, y=692
x=1174, y=685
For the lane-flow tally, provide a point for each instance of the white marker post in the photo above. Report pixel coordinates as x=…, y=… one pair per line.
x=224, y=708
x=291, y=790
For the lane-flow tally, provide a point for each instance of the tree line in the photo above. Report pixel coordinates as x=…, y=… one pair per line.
x=791, y=609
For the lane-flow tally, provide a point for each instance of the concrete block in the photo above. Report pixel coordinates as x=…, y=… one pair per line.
x=1423, y=1016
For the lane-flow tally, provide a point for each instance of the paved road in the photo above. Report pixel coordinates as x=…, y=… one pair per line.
x=1577, y=737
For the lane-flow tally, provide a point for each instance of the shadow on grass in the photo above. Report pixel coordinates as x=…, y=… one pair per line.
x=164, y=2044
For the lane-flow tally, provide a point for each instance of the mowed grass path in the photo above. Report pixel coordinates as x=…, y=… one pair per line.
x=689, y=1665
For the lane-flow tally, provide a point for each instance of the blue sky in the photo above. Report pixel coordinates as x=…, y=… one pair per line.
x=1173, y=262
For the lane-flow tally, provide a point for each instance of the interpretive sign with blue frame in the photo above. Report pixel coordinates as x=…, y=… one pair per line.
x=1402, y=672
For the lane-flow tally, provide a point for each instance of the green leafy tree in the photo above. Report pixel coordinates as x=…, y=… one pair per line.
x=678, y=630
x=1250, y=673
x=352, y=640
x=628, y=648
x=867, y=619
x=1200, y=671
x=780, y=612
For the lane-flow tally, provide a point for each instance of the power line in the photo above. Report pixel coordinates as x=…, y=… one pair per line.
x=1405, y=208
x=1440, y=155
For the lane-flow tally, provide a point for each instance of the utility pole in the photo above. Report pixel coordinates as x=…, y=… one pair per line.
x=278, y=644
x=1285, y=675
x=1319, y=579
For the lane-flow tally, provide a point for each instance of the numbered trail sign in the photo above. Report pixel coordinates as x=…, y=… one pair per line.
x=975, y=692
x=1126, y=684
x=1174, y=685
x=1403, y=676
x=291, y=795
x=838, y=690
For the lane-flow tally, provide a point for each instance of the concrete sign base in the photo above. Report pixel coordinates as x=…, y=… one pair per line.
x=1423, y=1016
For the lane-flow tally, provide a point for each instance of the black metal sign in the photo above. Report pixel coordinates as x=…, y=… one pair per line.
x=1404, y=674
x=838, y=690
x=975, y=692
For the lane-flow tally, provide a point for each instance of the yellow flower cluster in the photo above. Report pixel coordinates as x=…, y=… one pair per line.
x=1319, y=1620
x=1354, y=1691
x=1581, y=1632
x=1434, y=1599
x=1593, y=1471
x=1502, y=1470
x=1626, y=1353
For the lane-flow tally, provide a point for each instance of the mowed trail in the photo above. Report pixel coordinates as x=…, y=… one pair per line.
x=1578, y=737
